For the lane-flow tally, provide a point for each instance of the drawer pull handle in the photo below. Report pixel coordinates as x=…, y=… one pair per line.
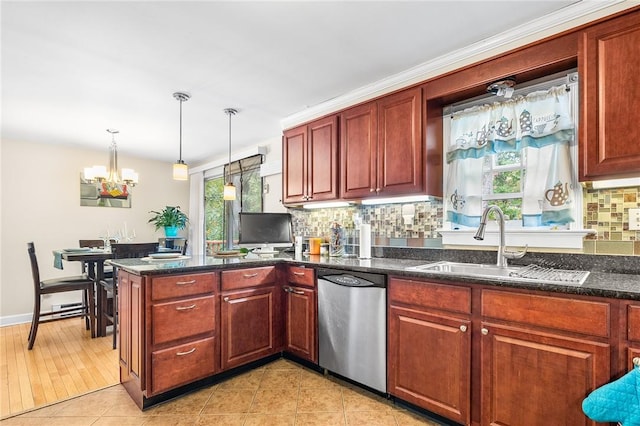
x=226, y=299
x=186, y=353
x=296, y=291
x=185, y=308
x=484, y=331
x=250, y=275
x=636, y=361
x=463, y=328
x=185, y=282
x=300, y=274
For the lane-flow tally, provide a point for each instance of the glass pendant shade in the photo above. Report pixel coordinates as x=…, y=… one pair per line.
x=229, y=192
x=180, y=171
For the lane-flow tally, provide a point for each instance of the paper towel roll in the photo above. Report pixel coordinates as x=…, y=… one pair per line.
x=365, y=241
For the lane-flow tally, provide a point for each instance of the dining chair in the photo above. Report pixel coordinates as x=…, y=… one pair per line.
x=174, y=244
x=59, y=285
x=95, y=243
x=109, y=286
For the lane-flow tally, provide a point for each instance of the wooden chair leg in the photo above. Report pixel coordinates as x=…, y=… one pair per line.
x=85, y=304
x=91, y=311
x=34, y=323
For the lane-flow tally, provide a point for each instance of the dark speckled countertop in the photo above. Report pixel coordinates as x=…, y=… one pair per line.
x=610, y=276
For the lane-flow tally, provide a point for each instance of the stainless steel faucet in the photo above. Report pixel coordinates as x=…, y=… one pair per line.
x=503, y=253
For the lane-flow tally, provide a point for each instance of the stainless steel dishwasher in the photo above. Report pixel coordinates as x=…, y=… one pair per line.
x=352, y=331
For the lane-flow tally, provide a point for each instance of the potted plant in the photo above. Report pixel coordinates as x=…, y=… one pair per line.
x=171, y=219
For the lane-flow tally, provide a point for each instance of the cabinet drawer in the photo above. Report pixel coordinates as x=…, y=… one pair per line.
x=633, y=322
x=301, y=276
x=182, y=285
x=184, y=318
x=579, y=316
x=182, y=364
x=430, y=295
x=245, y=278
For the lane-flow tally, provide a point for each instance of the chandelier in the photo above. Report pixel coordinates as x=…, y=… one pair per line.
x=109, y=181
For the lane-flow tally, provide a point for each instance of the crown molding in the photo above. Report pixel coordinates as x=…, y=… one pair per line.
x=549, y=24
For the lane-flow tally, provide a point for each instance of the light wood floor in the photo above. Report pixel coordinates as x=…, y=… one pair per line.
x=65, y=362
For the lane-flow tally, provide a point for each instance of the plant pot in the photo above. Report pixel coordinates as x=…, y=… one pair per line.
x=170, y=231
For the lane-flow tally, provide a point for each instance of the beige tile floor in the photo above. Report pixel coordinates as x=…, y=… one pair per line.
x=279, y=393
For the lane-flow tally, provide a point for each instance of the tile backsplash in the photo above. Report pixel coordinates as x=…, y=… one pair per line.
x=605, y=210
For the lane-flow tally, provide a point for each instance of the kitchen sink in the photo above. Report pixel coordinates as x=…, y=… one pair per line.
x=530, y=273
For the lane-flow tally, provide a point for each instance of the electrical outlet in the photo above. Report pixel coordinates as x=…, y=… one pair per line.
x=634, y=219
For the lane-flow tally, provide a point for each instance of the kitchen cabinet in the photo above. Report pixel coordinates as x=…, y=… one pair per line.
x=301, y=313
x=632, y=316
x=310, y=162
x=131, y=319
x=250, y=315
x=429, y=346
x=381, y=147
x=181, y=329
x=608, y=66
x=540, y=356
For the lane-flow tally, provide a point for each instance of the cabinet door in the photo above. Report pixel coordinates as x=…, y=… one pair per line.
x=608, y=65
x=130, y=316
x=358, y=148
x=323, y=159
x=294, y=165
x=400, y=144
x=248, y=326
x=533, y=378
x=429, y=362
x=301, y=322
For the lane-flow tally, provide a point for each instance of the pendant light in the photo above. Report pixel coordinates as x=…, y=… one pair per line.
x=180, y=168
x=229, y=188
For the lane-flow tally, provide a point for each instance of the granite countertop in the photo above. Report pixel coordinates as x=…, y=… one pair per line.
x=616, y=278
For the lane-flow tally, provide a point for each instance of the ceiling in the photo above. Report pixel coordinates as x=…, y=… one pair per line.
x=70, y=70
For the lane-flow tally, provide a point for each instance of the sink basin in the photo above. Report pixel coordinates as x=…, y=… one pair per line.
x=531, y=273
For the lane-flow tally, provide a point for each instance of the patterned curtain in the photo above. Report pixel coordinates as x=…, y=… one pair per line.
x=540, y=126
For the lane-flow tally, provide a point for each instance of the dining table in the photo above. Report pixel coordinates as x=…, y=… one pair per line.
x=94, y=260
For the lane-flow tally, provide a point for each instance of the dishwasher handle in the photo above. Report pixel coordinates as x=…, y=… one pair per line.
x=350, y=281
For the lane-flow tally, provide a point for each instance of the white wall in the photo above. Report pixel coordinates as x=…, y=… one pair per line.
x=40, y=202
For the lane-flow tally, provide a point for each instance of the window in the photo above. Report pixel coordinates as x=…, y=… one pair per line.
x=245, y=175
x=519, y=154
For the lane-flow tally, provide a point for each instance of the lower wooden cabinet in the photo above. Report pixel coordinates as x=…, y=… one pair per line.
x=429, y=349
x=535, y=378
x=248, y=325
x=301, y=322
x=131, y=321
x=182, y=364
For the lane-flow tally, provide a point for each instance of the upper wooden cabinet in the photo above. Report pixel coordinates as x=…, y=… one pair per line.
x=609, y=60
x=382, y=147
x=310, y=162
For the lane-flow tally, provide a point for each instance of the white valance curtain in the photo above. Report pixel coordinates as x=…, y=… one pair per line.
x=539, y=125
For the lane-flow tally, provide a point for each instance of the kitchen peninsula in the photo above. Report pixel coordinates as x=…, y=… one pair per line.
x=188, y=323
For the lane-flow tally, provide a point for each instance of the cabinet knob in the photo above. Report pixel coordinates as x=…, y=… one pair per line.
x=226, y=298
x=636, y=361
x=484, y=331
x=463, y=328
x=287, y=289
